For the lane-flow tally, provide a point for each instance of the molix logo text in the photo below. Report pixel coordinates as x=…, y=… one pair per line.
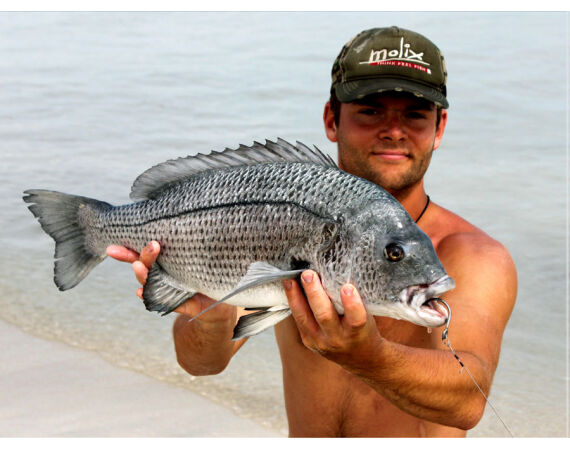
x=403, y=53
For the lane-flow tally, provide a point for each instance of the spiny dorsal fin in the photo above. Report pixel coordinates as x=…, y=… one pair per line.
x=150, y=183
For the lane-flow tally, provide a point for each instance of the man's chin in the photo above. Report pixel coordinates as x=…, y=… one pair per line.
x=391, y=177
x=394, y=177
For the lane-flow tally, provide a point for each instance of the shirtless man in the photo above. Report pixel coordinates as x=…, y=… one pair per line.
x=356, y=374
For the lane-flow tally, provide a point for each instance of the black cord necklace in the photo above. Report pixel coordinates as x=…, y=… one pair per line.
x=425, y=208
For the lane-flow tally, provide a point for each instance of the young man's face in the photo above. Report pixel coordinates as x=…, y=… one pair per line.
x=387, y=138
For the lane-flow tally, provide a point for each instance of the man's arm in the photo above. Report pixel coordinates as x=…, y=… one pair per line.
x=203, y=346
x=426, y=383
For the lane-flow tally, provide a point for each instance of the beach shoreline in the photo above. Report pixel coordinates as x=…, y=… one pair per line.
x=50, y=389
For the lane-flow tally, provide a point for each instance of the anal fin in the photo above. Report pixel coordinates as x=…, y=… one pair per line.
x=162, y=293
x=252, y=324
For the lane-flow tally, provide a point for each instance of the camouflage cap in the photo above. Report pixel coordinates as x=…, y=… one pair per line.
x=390, y=59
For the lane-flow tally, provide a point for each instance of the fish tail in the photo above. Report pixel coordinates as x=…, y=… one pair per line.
x=67, y=219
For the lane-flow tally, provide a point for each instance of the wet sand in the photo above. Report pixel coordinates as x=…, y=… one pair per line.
x=49, y=389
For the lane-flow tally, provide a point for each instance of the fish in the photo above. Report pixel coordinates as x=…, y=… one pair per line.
x=233, y=224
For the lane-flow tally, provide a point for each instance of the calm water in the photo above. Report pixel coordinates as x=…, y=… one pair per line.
x=90, y=100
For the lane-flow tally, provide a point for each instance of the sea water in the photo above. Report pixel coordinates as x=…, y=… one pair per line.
x=90, y=100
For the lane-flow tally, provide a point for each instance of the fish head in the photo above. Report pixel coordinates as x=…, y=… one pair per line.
x=396, y=268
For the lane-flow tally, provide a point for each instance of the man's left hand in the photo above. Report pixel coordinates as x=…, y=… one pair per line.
x=349, y=339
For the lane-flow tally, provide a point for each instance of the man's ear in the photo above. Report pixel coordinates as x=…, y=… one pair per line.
x=440, y=129
x=330, y=125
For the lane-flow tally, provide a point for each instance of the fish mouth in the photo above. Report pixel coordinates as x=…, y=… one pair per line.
x=422, y=299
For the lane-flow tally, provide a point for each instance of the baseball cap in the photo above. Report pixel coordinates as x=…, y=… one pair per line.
x=390, y=59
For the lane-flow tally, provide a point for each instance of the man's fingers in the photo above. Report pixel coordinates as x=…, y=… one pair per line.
x=323, y=310
x=149, y=254
x=300, y=309
x=141, y=263
x=141, y=272
x=355, y=315
x=122, y=254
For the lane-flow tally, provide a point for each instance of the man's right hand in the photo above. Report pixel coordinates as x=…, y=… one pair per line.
x=141, y=264
x=203, y=346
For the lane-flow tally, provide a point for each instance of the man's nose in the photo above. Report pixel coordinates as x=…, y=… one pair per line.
x=393, y=128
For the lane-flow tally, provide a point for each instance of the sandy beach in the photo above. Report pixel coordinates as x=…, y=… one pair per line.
x=49, y=389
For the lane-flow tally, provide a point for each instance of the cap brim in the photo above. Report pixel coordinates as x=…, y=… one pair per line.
x=351, y=91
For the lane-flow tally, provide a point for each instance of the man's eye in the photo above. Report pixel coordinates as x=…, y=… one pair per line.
x=415, y=115
x=368, y=111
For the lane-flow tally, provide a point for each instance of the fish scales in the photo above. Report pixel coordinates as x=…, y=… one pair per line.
x=212, y=227
x=234, y=224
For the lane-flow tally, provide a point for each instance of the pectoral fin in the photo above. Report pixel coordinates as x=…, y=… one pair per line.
x=162, y=293
x=257, y=274
x=255, y=323
x=262, y=273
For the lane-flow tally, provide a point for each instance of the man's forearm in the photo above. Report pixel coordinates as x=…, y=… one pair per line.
x=428, y=383
x=204, y=348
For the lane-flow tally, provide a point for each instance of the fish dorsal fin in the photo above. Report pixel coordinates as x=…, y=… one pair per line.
x=153, y=181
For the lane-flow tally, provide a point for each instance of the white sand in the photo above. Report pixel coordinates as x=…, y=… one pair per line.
x=48, y=389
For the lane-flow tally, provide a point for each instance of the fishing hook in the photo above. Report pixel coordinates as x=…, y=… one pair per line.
x=447, y=321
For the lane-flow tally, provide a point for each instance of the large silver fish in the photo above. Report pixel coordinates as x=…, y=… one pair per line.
x=233, y=224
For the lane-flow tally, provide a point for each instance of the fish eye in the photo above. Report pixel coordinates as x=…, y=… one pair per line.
x=393, y=252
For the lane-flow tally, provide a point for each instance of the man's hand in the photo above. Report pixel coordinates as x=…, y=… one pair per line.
x=141, y=264
x=348, y=340
x=203, y=346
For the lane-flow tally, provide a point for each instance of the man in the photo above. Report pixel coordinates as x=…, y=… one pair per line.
x=359, y=375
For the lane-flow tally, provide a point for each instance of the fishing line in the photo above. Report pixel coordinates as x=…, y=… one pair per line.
x=445, y=340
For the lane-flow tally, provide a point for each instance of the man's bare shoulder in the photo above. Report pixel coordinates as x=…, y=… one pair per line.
x=481, y=266
x=453, y=235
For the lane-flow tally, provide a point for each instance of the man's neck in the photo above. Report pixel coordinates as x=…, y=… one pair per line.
x=413, y=199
